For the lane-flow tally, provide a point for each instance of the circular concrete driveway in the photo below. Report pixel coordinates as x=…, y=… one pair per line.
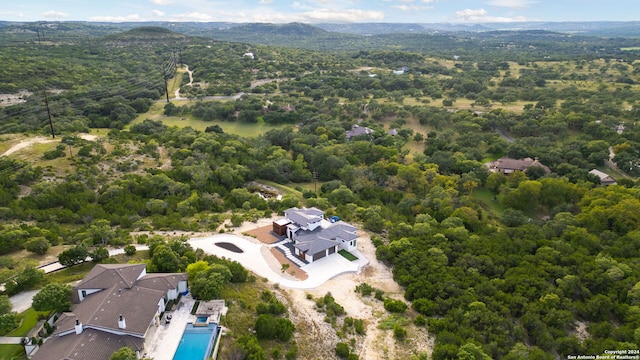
x=253, y=257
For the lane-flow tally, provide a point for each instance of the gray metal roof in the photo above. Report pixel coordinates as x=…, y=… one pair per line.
x=313, y=242
x=305, y=216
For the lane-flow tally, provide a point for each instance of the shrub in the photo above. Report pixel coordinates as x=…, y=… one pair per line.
x=364, y=289
x=130, y=250
x=399, y=332
x=394, y=306
x=420, y=320
x=342, y=350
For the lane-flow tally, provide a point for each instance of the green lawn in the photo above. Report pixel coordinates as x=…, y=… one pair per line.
x=12, y=352
x=486, y=199
x=29, y=320
x=70, y=274
x=347, y=255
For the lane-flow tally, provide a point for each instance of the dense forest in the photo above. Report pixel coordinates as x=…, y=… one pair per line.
x=524, y=265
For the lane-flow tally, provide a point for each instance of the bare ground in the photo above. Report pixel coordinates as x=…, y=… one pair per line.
x=317, y=339
x=23, y=144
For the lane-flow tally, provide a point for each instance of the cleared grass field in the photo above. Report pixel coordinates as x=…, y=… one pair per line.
x=486, y=199
x=237, y=128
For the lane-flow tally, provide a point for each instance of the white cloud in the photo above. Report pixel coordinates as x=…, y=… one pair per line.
x=162, y=2
x=55, y=15
x=11, y=13
x=346, y=15
x=157, y=13
x=481, y=15
x=516, y=4
x=411, y=7
x=193, y=16
x=132, y=17
x=265, y=2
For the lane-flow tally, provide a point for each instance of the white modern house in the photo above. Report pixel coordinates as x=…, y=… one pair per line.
x=315, y=237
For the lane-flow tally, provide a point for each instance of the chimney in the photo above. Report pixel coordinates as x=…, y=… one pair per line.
x=78, y=327
x=122, y=324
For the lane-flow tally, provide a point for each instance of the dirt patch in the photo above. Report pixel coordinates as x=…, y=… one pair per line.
x=263, y=234
x=23, y=144
x=12, y=99
x=317, y=339
x=292, y=268
x=88, y=137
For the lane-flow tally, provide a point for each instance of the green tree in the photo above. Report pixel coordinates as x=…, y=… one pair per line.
x=125, y=353
x=5, y=305
x=53, y=297
x=101, y=232
x=38, y=245
x=75, y=255
x=165, y=260
x=270, y=327
x=130, y=250
x=208, y=284
x=471, y=351
x=100, y=254
x=9, y=322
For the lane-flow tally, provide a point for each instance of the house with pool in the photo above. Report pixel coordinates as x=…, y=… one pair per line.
x=313, y=236
x=115, y=305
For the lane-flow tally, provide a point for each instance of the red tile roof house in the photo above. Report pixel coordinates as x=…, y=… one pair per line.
x=314, y=237
x=116, y=305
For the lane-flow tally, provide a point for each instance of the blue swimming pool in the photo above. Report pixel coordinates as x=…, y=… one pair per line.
x=197, y=342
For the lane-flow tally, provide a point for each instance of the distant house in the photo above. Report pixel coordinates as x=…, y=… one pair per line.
x=401, y=71
x=315, y=237
x=509, y=165
x=357, y=130
x=249, y=55
x=605, y=179
x=115, y=306
x=392, y=132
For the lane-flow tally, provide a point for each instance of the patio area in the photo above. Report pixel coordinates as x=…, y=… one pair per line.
x=163, y=340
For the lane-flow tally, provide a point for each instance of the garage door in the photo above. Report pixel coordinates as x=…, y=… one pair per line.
x=319, y=255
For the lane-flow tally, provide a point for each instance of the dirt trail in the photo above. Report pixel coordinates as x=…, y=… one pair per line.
x=26, y=143
x=177, y=93
x=23, y=144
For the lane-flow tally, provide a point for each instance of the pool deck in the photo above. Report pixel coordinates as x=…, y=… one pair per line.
x=163, y=340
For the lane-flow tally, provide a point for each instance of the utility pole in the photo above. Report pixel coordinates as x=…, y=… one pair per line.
x=46, y=103
x=166, y=88
x=315, y=182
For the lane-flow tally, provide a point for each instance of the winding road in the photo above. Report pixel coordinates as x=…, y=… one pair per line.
x=177, y=93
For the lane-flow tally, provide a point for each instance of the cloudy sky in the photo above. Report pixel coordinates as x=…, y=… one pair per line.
x=316, y=11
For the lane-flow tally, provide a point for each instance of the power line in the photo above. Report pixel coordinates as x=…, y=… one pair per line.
x=46, y=102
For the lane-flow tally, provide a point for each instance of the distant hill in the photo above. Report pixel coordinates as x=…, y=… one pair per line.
x=268, y=33
x=374, y=28
x=144, y=36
